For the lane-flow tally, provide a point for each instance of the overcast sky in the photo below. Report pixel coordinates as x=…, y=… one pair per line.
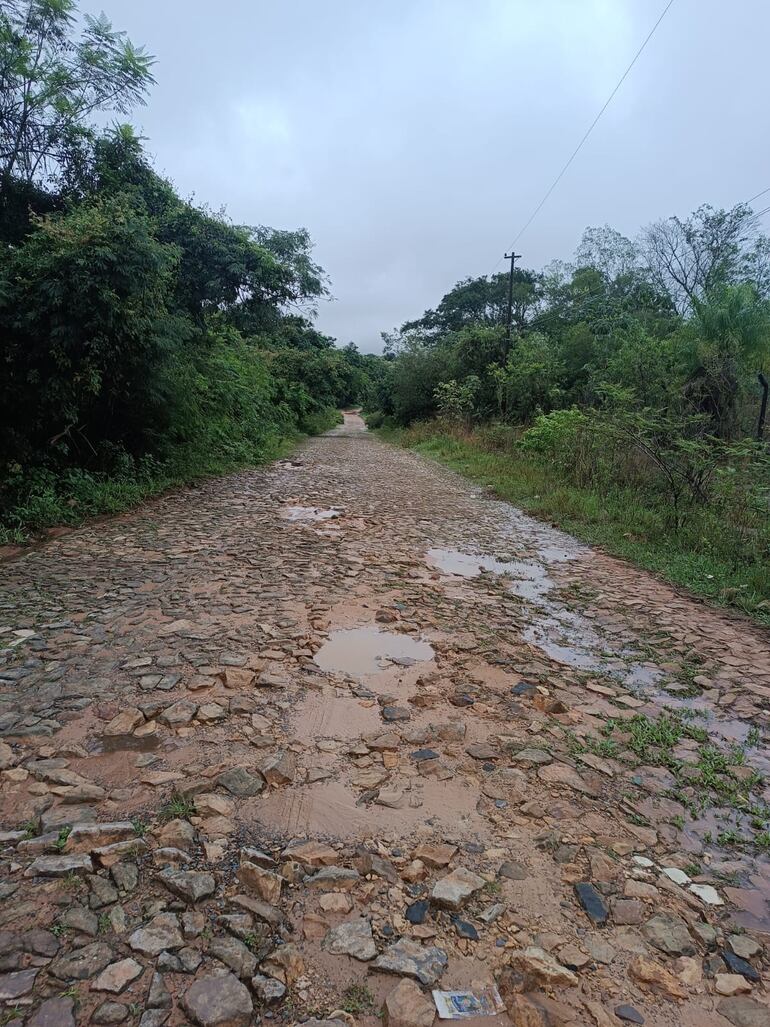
x=413, y=138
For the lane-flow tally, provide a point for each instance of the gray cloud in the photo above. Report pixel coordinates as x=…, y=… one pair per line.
x=413, y=138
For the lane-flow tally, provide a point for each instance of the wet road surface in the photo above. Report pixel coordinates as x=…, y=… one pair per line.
x=356, y=647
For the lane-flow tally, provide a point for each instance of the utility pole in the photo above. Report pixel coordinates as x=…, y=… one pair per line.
x=513, y=257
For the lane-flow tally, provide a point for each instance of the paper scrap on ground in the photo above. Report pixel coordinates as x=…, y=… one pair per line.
x=457, y=1005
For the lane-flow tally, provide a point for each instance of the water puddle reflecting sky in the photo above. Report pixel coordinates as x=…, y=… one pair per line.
x=559, y=632
x=573, y=640
x=361, y=652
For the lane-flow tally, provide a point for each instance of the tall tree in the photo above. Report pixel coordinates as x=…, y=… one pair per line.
x=480, y=301
x=51, y=83
x=711, y=248
x=606, y=250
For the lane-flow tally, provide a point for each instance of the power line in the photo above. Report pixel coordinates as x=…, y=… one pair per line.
x=591, y=127
x=757, y=195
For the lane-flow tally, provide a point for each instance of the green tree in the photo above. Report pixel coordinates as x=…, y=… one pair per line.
x=480, y=301
x=531, y=380
x=456, y=401
x=730, y=334
x=52, y=83
x=85, y=323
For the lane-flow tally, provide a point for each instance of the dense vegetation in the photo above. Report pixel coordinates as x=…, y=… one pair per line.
x=627, y=404
x=147, y=340
x=144, y=340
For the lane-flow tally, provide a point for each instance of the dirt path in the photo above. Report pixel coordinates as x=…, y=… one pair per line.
x=359, y=651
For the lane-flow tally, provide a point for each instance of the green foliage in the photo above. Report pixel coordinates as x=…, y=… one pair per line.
x=530, y=380
x=479, y=301
x=414, y=378
x=627, y=401
x=53, y=82
x=177, y=806
x=358, y=1000
x=456, y=401
x=86, y=326
x=61, y=840
x=144, y=341
x=652, y=739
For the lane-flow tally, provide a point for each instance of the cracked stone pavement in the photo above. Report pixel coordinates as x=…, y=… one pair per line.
x=306, y=741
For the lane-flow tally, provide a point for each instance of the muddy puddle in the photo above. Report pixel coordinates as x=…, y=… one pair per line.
x=310, y=514
x=126, y=743
x=361, y=652
x=526, y=578
x=725, y=731
x=563, y=635
x=330, y=809
x=336, y=718
x=569, y=638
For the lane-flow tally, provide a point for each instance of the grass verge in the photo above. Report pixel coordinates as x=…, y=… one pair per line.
x=701, y=557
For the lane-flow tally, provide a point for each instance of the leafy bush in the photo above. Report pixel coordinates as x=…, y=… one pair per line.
x=563, y=438
x=375, y=419
x=86, y=328
x=531, y=378
x=456, y=401
x=144, y=340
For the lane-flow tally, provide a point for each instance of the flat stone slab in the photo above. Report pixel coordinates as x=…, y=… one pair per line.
x=54, y=1012
x=162, y=932
x=218, y=1001
x=408, y=958
x=353, y=938
x=117, y=976
x=669, y=934
x=82, y=964
x=60, y=866
x=190, y=885
x=334, y=877
x=452, y=891
x=242, y=782
x=592, y=902
x=15, y=985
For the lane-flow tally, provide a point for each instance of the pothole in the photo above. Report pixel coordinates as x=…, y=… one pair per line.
x=562, y=634
x=361, y=652
x=527, y=578
x=128, y=743
x=311, y=513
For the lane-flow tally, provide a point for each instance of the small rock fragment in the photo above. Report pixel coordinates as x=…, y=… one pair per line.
x=452, y=891
x=117, y=976
x=353, y=938
x=410, y=959
x=218, y=1001
x=592, y=902
x=407, y=1006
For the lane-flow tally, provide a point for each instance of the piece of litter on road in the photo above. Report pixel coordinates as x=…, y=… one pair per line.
x=458, y=1005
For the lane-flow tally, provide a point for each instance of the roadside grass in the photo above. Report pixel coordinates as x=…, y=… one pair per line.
x=715, y=777
x=177, y=807
x=357, y=999
x=702, y=557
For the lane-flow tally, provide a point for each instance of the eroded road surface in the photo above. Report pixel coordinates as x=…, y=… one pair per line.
x=331, y=733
